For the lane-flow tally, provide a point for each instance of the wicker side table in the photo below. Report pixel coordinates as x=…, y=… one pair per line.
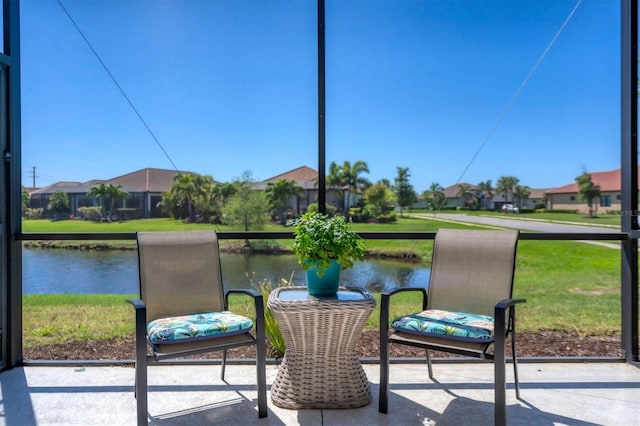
x=320, y=368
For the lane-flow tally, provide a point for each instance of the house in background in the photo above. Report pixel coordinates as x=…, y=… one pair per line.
x=496, y=201
x=76, y=191
x=568, y=197
x=537, y=197
x=451, y=197
x=145, y=187
x=307, y=179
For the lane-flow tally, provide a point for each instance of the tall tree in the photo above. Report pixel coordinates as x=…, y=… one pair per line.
x=506, y=186
x=588, y=190
x=279, y=193
x=59, y=204
x=336, y=181
x=107, y=194
x=379, y=199
x=25, y=199
x=435, y=196
x=403, y=189
x=355, y=183
x=465, y=194
x=486, y=192
x=100, y=192
x=247, y=207
x=115, y=193
x=184, y=189
x=521, y=193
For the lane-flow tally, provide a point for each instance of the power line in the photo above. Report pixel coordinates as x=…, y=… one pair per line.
x=135, y=110
x=517, y=94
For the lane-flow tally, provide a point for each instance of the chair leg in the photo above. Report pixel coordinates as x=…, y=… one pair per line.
x=383, y=400
x=224, y=364
x=500, y=403
x=515, y=364
x=141, y=382
x=429, y=364
x=261, y=356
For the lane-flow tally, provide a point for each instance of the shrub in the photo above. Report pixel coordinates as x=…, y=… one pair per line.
x=33, y=214
x=90, y=213
x=331, y=210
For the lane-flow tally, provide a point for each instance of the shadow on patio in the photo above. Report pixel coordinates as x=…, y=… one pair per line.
x=553, y=393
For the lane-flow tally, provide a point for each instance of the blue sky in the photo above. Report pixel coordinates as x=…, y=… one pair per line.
x=228, y=86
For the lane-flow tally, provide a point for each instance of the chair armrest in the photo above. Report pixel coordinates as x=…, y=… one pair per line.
x=141, y=326
x=243, y=291
x=504, y=304
x=385, y=302
x=257, y=301
x=500, y=314
x=137, y=304
x=247, y=291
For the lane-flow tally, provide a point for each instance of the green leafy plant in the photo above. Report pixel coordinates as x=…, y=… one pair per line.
x=276, y=345
x=320, y=239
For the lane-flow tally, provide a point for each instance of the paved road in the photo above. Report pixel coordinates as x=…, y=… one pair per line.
x=525, y=225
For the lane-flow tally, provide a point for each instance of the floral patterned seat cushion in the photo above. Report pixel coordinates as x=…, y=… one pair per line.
x=461, y=325
x=206, y=325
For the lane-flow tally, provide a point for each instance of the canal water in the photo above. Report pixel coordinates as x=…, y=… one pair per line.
x=60, y=271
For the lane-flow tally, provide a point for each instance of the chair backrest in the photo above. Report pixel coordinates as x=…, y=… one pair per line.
x=180, y=273
x=472, y=270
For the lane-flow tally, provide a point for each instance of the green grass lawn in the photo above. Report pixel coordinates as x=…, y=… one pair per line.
x=569, y=285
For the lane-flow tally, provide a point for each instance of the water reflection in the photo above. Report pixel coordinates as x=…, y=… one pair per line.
x=116, y=272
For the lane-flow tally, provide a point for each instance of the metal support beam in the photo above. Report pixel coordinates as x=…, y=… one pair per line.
x=322, y=187
x=629, y=165
x=11, y=180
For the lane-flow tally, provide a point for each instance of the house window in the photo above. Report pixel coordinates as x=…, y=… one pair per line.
x=605, y=200
x=572, y=198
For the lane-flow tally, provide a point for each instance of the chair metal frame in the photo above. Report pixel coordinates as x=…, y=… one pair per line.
x=504, y=317
x=179, y=350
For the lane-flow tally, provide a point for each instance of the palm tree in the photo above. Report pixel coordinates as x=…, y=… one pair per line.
x=115, y=192
x=184, y=188
x=352, y=179
x=279, y=193
x=336, y=181
x=204, y=197
x=521, y=192
x=435, y=196
x=100, y=192
x=465, y=193
x=506, y=185
x=486, y=192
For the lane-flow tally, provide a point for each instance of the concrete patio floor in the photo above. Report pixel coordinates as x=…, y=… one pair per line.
x=552, y=394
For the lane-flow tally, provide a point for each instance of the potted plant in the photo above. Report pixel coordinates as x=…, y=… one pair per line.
x=324, y=245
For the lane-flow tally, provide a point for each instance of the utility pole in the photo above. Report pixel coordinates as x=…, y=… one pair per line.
x=33, y=175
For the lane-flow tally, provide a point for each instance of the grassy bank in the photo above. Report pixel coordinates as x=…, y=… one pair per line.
x=569, y=286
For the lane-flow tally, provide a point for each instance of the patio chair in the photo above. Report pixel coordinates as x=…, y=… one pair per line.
x=183, y=308
x=470, y=290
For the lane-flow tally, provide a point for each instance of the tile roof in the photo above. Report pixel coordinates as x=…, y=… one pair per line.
x=70, y=187
x=301, y=174
x=609, y=181
x=452, y=191
x=537, y=193
x=146, y=180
